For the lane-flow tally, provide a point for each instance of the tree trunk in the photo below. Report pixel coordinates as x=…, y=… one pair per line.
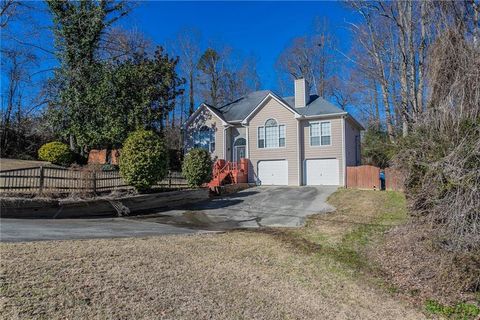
x=404, y=81
x=191, y=96
x=421, y=55
x=72, y=142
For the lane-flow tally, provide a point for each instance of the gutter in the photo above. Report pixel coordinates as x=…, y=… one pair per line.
x=301, y=117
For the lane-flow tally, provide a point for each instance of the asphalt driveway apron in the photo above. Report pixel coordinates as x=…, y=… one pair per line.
x=272, y=206
x=251, y=208
x=256, y=207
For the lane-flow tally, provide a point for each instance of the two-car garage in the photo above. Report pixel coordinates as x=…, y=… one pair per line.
x=315, y=172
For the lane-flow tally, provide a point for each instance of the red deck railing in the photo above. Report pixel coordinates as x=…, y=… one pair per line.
x=229, y=172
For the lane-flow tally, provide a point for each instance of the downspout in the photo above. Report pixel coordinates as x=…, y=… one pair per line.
x=299, y=156
x=225, y=142
x=247, y=151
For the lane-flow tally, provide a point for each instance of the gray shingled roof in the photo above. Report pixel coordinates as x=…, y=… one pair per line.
x=241, y=108
x=317, y=106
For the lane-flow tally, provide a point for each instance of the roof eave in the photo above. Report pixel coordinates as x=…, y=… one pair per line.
x=210, y=108
x=316, y=116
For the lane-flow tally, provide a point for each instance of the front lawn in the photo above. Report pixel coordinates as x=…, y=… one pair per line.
x=269, y=274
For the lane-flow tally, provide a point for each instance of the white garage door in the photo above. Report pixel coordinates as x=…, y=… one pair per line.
x=322, y=172
x=273, y=172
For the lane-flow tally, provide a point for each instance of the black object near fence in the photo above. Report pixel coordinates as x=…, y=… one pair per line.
x=62, y=180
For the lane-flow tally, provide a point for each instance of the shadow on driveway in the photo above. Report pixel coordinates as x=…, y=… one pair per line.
x=251, y=208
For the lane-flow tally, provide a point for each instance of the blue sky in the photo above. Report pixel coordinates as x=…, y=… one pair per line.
x=261, y=29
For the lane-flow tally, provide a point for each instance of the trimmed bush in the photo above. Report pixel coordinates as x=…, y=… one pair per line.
x=144, y=159
x=197, y=167
x=56, y=152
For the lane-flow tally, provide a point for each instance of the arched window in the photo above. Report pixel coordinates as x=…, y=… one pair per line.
x=272, y=135
x=205, y=138
x=240, y=142
x=271, y=123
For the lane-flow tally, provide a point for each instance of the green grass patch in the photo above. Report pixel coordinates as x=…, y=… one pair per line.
x=390, y=210
x=361, y=217
x=460, y=311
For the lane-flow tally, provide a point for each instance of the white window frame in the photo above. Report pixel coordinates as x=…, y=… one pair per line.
x=211, y=139
x=320, y=131
x=264, y=131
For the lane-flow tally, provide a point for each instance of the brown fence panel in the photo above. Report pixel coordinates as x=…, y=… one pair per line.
x=394, y=179
x=363, y=177
x=62, y=180
x=20, y=180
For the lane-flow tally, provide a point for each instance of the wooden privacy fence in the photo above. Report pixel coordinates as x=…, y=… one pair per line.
x=368, y=177
x=61, y=180
x=365, y=177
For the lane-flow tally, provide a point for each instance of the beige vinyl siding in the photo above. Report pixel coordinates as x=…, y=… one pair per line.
x=273, y=109
x=334, y=150
x=206, y=118
x=234, y=133
x=351, y=132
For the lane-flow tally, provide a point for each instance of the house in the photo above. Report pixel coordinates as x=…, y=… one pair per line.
x=298, y=140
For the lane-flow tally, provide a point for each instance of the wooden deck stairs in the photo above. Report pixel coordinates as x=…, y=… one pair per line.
x=228, y=172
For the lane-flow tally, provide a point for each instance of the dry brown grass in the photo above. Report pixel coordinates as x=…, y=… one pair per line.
x=412, y=259
x=9, y=164
x=228, y=276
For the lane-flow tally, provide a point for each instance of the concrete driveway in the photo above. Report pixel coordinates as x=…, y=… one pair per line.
x=272, y=206
x=250, y=208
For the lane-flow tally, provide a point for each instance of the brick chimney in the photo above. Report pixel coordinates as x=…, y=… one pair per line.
x=301, y=93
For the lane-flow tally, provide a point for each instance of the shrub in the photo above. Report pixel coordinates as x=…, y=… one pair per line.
x=377, y=150
x=197, y=167
x=144, y=159
x=440, y=156
x=56, y=153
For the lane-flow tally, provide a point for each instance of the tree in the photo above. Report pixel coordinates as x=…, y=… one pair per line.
x=226, y=77
x=187, y=46
x=78, y=28
x=240, y=78
x=309, y=57
x=119, y=44
x=137, y=93
x=212, y=68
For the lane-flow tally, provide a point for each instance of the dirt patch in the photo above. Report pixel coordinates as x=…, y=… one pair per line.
x=412, y=260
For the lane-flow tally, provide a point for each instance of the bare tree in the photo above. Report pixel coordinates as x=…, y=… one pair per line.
x=240, y=78
x=378, y=60
x=121, y=44
x=226, y=75
x=308, y=57
x=187, y=47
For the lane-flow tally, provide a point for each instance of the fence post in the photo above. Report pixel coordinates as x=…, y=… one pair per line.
x=94, y=187
x=42, y=180
x=169, y=179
